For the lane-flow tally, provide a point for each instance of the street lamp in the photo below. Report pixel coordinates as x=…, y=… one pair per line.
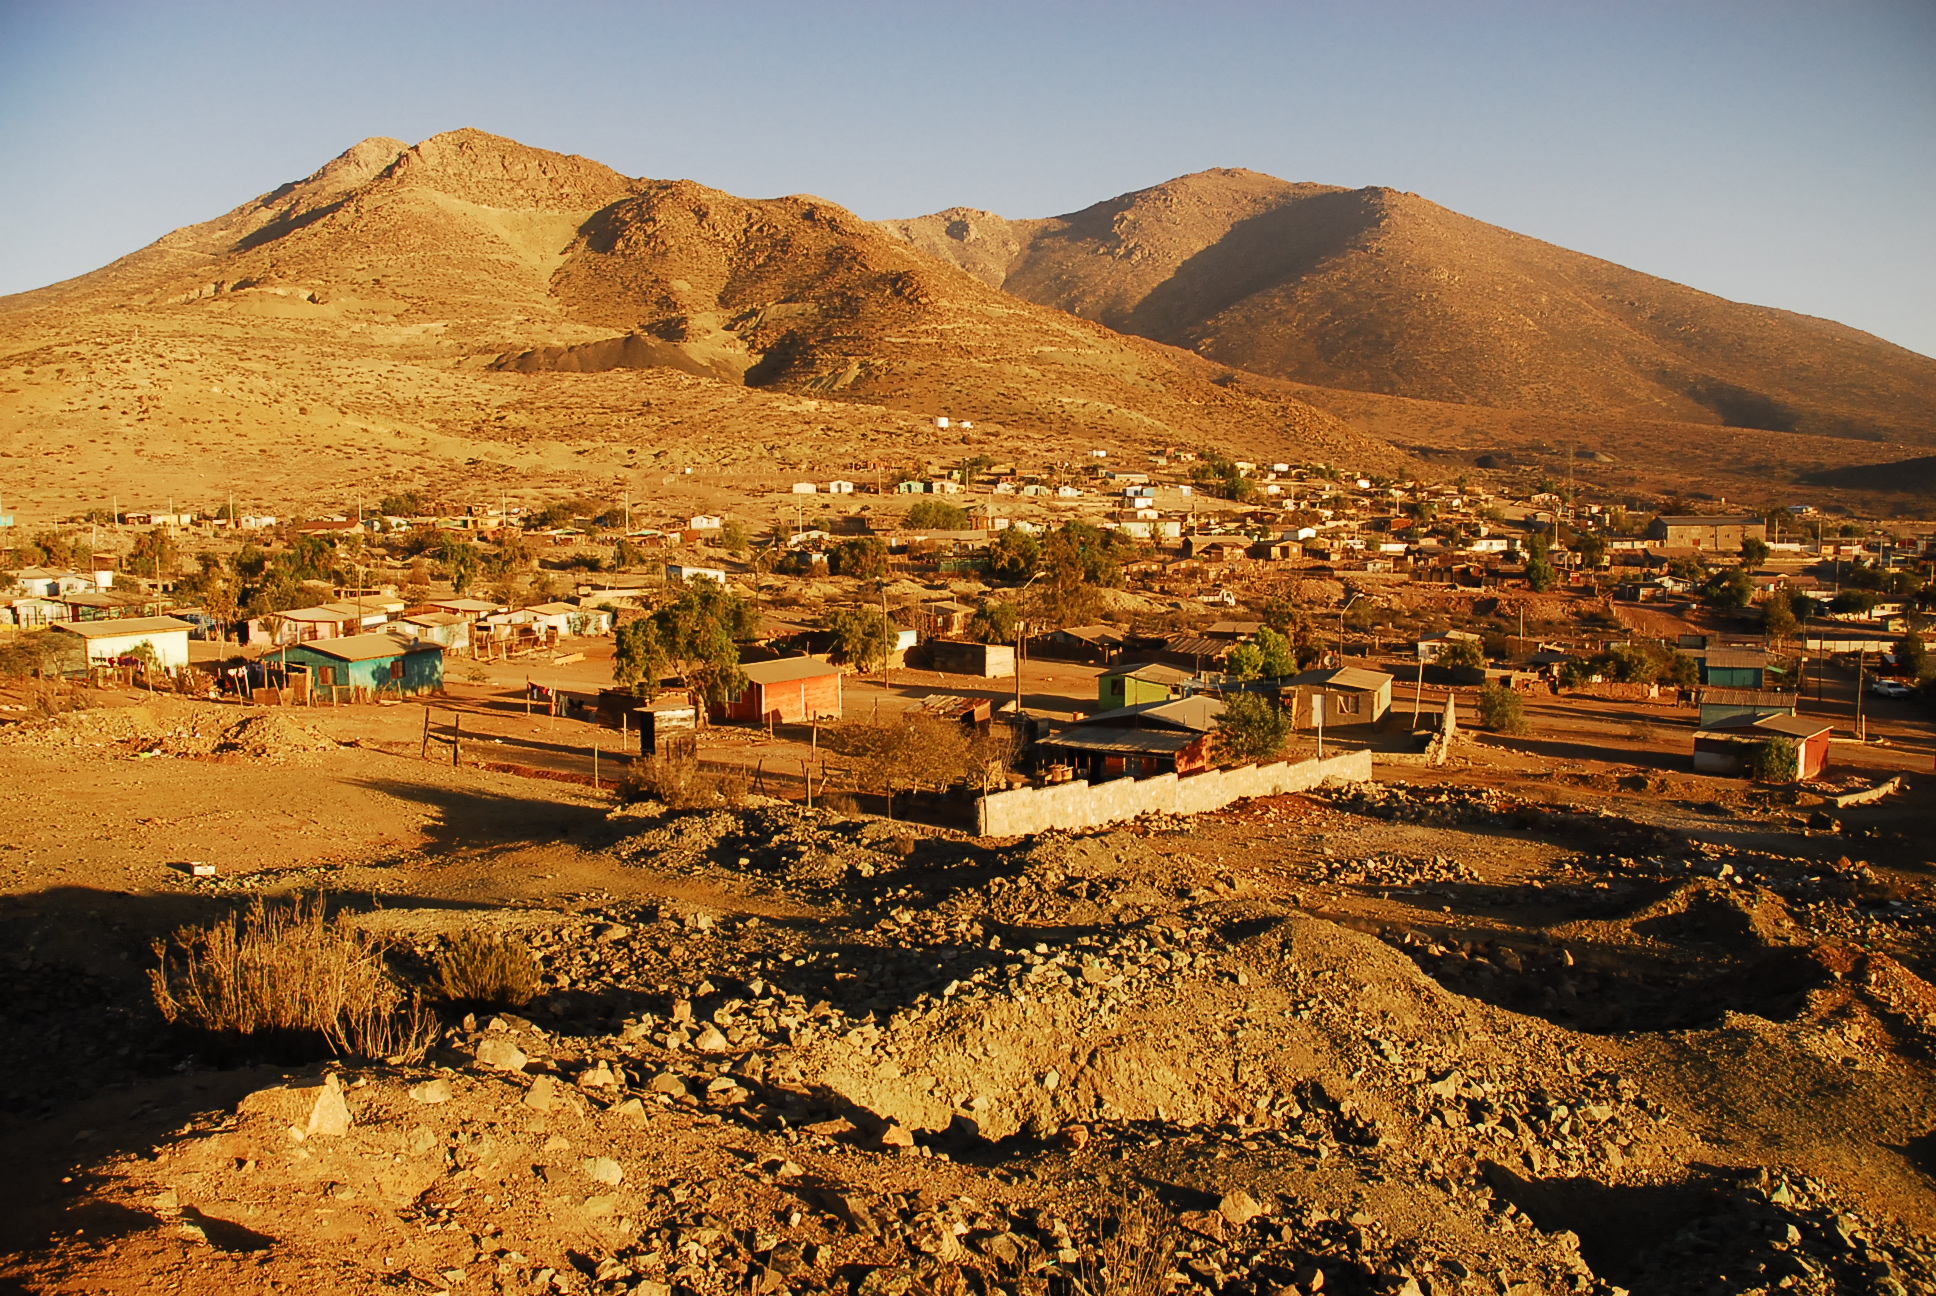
x=1341, y=611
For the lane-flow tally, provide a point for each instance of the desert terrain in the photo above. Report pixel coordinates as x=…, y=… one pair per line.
x=1523, y=1007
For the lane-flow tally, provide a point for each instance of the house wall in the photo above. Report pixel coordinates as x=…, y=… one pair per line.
x=1114, y=691
x=421, y=672
x=988, y=661
x=794, y=701
x=1082, y=805
x=1732, y=676
x=171, y=647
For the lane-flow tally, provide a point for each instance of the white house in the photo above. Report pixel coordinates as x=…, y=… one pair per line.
x=840, y=488
x=688, y=572
x=111, y=640
x=805, y=488
x=705, y=522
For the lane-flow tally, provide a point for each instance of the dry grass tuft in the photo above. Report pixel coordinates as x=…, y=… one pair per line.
x=491, y=971
x=290, y=976
x=681, y=785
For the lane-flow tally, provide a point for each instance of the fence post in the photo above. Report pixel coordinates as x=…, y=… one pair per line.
x=594, y=766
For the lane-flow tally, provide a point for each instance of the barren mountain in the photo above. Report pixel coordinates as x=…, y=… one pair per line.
x=474, y=299
x=1380, y=291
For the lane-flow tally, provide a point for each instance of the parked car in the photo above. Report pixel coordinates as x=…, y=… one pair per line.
x=1891, y=689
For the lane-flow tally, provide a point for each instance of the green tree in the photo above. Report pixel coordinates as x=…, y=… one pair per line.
x=1732, y=587
x=459, y=558
x=1252, y=728
x=1912, y=656
x=1778, y=615
x=1014, y=554
x=1854, y=601
x=1776, y=761
x=1245, y=662
x=155, y=555
x=1540, y=574
x=1754, y=551
x=639, y=659
x=625, y=555
x=734, y=538
x=1462, y=654
x=935, y=515
x=1502, y=710
x=974, y=466
x=863, y=636
x=1278, y=658
x=1683, y=671
x=1592, y=548
x=864, y=557
x=996, y=623
x=699, y=633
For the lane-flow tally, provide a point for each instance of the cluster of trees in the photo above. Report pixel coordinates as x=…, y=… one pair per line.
x=697, y=635
x=1633, y=664
x=933, y=514
x=1220, y=473
x=921, y=753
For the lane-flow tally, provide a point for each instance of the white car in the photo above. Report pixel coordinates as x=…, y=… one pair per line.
x=1891, y=689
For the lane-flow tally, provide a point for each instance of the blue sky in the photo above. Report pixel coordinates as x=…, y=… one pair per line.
x=1773, y=152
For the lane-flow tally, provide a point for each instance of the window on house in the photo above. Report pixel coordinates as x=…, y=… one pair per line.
x=396, y=669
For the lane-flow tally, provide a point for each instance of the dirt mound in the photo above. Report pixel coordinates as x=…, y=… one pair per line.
x=271, y=734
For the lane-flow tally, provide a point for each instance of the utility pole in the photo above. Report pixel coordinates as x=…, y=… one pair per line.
x=1861, y=659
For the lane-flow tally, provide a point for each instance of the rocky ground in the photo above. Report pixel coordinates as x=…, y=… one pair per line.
x=1432, y=1037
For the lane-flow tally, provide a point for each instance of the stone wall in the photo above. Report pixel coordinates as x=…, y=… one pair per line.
x=1081, y=805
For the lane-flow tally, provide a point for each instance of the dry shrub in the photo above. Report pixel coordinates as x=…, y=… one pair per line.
x=1137, y=1253
x=488, y=971
x=292, y=978
x=840, y=803
x=681, y=785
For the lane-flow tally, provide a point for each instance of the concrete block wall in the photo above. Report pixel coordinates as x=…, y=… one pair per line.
x=1081, y=805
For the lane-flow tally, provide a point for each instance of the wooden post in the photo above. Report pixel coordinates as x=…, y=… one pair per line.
x=527, y=695
x=594, y=765
x=456, y=735
x=806, y=776
x=425, y=753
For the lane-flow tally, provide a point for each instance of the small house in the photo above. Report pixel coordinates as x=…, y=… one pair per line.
x=791, y=690
x=1736, y=668
x=686, y=572
x=1719, y=705
x=1349, y=695
x=1432, y=645
x=112, y=641
x=445, y=629
x=568, y=620
x=371, y=663
x=1135, y=685
x=465, y=607
x=1729, y=746
x=1173, y=737
x=986, y=661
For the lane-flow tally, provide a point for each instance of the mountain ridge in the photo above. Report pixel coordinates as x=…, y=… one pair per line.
x=1382, y=291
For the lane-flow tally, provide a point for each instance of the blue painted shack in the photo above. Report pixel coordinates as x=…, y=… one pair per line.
x=1739, y=668
x=371, y=663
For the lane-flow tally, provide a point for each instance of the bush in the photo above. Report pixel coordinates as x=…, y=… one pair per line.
x=291, y=978
x=935, y=515
x=1502, y=710
x=1776, y=761
x=1253, y=728
x=487, y=971
x=680, y=784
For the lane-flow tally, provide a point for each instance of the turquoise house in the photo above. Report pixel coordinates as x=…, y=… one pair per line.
x=1736, y=668
x=373, y=663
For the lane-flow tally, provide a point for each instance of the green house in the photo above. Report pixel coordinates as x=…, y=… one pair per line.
x=374, y=663
x=1135, y=685
x=1736, y=668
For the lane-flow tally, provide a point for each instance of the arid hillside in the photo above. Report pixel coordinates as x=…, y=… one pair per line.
x=472, y=306
x=1380, y=291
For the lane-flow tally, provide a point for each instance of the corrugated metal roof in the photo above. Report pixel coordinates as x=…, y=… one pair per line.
x=123, y=626
x=787, y=669
x=1166, y=742
x=369, y=647
x=1199, y=714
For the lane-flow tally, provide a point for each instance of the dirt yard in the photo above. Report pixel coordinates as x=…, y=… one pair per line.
x=1521, y=1024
